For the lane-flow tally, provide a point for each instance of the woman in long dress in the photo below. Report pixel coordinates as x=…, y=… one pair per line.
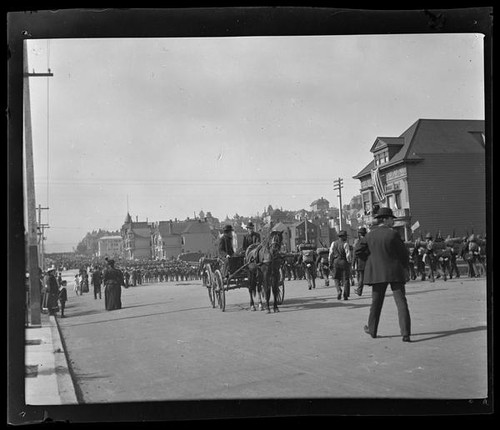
x=113, y=281
x=52, y=291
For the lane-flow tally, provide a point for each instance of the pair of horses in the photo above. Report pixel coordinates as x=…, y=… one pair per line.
x=263, y=262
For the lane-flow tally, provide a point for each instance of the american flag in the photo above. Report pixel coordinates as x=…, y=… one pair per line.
x=378, y=187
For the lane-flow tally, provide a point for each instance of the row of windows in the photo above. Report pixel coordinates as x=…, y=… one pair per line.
x=382, y=157
x=391, y=200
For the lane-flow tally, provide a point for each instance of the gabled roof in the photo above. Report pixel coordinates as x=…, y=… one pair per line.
x=384, y=142
x=433, y=136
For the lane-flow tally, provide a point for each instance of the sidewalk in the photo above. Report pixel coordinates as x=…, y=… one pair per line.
x=47, y=380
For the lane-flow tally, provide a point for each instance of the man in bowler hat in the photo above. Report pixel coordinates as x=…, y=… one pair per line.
x=252, y=236
x=226, y=249
x=386, y=263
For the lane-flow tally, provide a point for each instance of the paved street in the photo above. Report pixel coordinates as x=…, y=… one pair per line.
x=168, y=343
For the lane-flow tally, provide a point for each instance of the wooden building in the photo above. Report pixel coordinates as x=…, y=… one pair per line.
x=169, y=239
x=432, y=176
x=136, y=239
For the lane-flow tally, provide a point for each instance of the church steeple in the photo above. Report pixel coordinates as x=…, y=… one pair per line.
x=128, y=219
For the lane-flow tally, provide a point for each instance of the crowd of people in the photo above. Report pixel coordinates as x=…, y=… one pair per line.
x=428, y=259
x=378, y=257
x=105, y=279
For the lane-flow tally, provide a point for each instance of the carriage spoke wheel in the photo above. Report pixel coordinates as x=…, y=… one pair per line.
x=209, y=283
x=221, y=293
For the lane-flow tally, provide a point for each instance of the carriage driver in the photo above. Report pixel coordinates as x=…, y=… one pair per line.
x=226, y=247
x=252, y=236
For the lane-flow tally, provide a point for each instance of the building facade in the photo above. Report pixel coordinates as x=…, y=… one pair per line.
x=136, y=238
x=110, y=246
x=432, y=176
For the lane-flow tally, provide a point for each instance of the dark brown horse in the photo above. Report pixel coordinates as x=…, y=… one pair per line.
x=264, y=262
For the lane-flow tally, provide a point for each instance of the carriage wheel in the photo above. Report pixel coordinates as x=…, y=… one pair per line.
x=209, y=283
x=220, y=291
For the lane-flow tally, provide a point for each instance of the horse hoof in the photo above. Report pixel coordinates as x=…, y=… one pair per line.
x=252, y=308
x=269, y=311
x=276, y=310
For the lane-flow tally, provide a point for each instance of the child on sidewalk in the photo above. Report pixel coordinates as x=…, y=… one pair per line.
x=63, y=297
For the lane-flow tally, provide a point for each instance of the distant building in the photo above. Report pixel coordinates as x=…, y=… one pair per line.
x=197, y=237
x=110, y=246
x=136, y=239
x=166, y=242
x=169, y=239
x=320, y=205
x=304, y=232
x=432, y=176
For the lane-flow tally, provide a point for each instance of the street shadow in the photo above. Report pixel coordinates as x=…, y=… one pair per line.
x=412, y=292
x=312, y=303
x=90, y=376
x=440, y=334
x=146, y=304
x=129, y=317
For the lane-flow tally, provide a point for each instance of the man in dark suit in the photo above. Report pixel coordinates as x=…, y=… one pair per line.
x=226, y=249
x=387, y=263
x=252, y=236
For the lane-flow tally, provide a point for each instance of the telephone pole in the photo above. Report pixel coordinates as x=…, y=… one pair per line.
x=41, y=236
x=33, y=267
x=338, y=185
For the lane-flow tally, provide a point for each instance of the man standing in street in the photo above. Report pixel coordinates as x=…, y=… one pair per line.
x=387, y=263
x=96, y=281
x=340, y=263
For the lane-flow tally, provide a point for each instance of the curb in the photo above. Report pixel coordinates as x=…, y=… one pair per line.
x=65, y=385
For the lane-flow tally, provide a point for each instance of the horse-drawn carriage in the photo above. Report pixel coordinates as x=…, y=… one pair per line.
x=237, y=274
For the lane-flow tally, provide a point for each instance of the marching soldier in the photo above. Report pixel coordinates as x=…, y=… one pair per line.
x=359, y=261
x=340, y=261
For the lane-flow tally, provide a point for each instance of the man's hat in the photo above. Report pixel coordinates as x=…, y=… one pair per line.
x=428, y=236
x=228, y=227
x=250, y=224
x=362, y=230
x=51, y=268
x=111, y=262
x=342, y=233
x=385, y=213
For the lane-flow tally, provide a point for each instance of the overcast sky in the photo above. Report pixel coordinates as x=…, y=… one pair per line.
x=228, y=125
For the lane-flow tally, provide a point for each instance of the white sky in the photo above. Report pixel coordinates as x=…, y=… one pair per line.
x=228, y=125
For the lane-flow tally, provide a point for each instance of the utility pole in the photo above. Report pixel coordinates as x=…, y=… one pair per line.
x=41, y=236
x=33, y=267
x=337, y=185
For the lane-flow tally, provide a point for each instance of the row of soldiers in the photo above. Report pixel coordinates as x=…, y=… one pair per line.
x=149, y=271
x=429, y=258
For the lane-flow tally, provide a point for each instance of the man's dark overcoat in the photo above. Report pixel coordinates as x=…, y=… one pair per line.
x=226, y=246
x=387, y=257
